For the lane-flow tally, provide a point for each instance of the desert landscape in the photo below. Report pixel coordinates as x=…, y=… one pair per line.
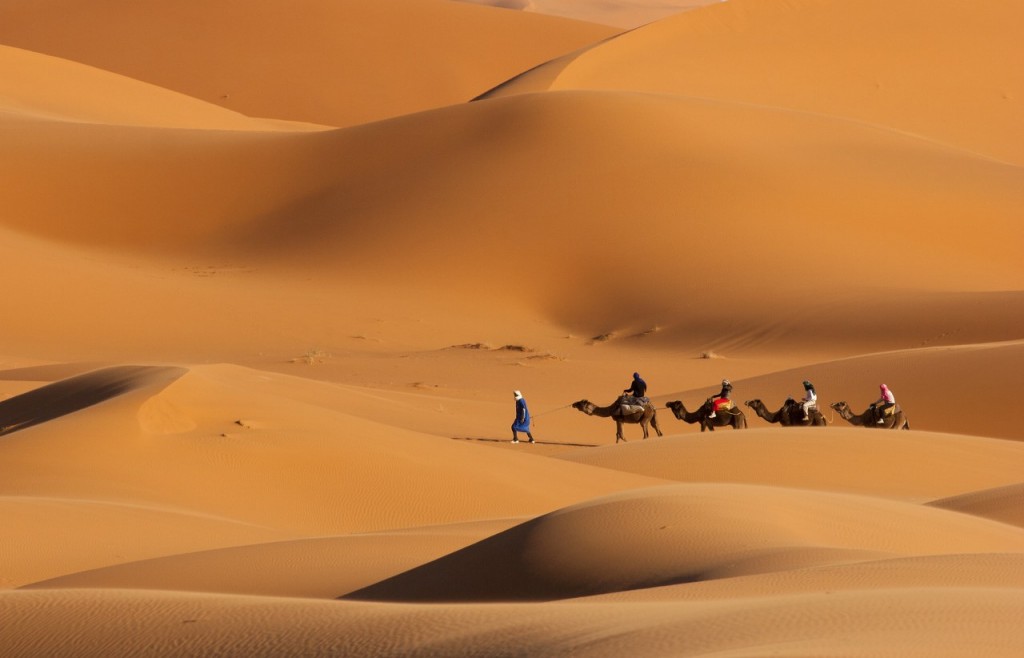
x=275, y=269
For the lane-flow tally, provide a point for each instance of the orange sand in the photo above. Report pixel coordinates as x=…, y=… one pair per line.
x=274, y=272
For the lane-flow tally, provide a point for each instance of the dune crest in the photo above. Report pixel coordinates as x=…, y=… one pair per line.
x=916, y=66
x=329, y=63
x=76, y=393
x=40, y=87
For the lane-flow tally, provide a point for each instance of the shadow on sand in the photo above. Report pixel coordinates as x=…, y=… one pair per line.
x=76, y=393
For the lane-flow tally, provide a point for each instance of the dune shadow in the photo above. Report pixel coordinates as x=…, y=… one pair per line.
x=76, y=393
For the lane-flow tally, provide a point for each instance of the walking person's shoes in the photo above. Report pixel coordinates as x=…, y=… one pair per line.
x=515, y=440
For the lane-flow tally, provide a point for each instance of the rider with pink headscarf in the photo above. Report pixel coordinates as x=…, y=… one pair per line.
x=883, y=403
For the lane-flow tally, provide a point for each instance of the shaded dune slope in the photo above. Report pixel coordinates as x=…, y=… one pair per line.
x=322, y=61
x=316, y=567
x=1004, y=504
x=676, y=166
x=76, y=393
x=686, y=533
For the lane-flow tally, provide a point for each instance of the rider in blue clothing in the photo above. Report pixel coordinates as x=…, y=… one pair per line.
x=638, y=388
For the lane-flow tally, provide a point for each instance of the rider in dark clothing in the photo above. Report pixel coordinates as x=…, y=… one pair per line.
x=638, y=388
x=722, y=399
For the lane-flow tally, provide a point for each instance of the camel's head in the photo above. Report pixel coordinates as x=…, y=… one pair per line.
x=586, y=406
x=676, y=406
x=838, y=406
x=753, y=403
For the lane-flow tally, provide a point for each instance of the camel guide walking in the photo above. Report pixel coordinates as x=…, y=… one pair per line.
x=522, y=421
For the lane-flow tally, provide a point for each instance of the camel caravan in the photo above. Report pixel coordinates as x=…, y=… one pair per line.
x=634, y=407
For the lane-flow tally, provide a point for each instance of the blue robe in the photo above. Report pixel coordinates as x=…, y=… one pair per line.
x=522, y=423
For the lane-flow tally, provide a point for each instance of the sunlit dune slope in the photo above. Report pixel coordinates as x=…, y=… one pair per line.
x=320, y=61
x=48, y=88
x=953, y=571
x=270, y=457
x=917, y=466
x=942, y=389
x=918, y=622
x=942, y=70
x=685, y=533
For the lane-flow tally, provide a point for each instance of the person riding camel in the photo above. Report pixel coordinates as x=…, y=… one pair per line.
x=638, y=388
x=723, y=399
x=810, y=399
x=885, y=402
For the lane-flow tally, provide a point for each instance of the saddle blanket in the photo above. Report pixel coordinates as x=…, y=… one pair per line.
x=723, y=404
x=632, y=405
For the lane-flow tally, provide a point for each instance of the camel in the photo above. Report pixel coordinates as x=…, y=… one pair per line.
x=725, y=417
x=897, y=421
x=647, y=416
x=790, y=415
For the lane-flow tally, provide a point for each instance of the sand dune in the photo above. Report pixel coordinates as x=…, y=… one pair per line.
x=40, y=87
x=74, y=394
x=622, y=13
x=798, y=625
x=325, y=62
x=274, y=270
x=918, y=466
x=914, y=66
x=1001, y=504
x=686, y=533
x=308, y=568
x=257, y=197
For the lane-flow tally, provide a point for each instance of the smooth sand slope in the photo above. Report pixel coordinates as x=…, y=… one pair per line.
x=930, y=69
x=273, y=275
x=334, y=62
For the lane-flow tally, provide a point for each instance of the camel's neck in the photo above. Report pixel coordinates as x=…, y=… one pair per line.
x=853, y=418
x=604, y=412
x=763, y=412
x=688, y=416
